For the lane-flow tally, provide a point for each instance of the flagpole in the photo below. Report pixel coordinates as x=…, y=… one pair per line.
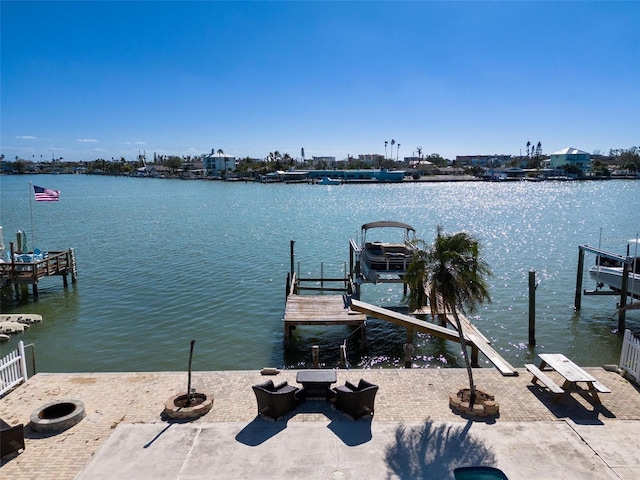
x=33, y=238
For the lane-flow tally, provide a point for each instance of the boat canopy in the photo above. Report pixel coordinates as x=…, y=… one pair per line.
x=387, y=223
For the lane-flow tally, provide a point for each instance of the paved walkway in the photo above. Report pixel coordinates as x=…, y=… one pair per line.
x=414, y=433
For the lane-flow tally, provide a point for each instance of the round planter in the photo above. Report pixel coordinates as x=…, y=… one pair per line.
x=176, y=406
x=57, y=416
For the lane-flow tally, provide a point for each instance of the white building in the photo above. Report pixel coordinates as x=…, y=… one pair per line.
x=216, y=164
x=570, y=156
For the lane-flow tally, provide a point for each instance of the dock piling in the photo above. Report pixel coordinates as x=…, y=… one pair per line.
x=532, y=307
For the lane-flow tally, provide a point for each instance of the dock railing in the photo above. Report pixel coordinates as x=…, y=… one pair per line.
x=56, y=263
x=13, y=369
x=630, y=355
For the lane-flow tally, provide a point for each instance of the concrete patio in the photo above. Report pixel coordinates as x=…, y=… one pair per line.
x=414, y=433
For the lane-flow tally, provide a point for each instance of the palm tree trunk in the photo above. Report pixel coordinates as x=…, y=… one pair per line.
x=465, y=355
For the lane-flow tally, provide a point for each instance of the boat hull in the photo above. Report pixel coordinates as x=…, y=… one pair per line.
x=612, y=277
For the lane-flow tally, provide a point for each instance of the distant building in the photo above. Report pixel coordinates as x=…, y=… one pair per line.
x=570, y=156
x=216, y=164
x=483, y=160
x=373, y=159
x=324, y=162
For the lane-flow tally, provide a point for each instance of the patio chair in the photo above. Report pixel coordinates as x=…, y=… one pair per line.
x=356, y=401
x=275, y=400
x=11, y=438
x=479, y=473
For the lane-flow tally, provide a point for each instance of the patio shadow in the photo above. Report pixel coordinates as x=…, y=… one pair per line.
x=260, y=430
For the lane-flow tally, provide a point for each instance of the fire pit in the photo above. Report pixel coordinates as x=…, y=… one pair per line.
x=57, y=416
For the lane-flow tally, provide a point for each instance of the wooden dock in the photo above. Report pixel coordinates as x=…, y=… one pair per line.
x=301, y=310
x=18, y=273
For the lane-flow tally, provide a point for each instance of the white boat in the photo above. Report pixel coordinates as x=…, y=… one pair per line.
x=387, y=249
x=329, y=181
x=610, y=272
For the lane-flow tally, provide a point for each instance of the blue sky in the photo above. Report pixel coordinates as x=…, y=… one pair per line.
x=87, y=80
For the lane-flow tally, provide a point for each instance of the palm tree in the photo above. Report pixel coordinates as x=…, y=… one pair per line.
x=385, y=149
x=450, y=270
x=397, y=152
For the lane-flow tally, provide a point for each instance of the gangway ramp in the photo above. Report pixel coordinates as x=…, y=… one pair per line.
x=472, y=335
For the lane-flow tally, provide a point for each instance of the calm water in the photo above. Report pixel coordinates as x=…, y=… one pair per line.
x=161, y=262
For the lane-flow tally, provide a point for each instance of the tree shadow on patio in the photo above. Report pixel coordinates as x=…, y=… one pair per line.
x=433, y=451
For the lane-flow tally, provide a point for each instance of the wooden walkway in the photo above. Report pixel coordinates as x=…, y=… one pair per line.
x=327, y=310
x=319, y=310
x=473, y=336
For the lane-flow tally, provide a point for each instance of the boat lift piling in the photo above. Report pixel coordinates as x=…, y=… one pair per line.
x=532, y=307
x=626, y=261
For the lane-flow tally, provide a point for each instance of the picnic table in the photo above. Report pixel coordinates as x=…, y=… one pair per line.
x=575, y=378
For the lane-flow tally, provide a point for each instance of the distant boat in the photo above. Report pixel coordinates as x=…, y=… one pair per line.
x=329, y=181
x=387, y=250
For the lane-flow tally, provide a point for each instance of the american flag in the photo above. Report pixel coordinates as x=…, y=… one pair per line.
x=46, y=195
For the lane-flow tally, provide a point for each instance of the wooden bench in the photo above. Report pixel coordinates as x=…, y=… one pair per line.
x=600, y=387
x=544, y=378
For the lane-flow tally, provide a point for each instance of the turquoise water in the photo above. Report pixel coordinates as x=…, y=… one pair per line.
x=161, y=262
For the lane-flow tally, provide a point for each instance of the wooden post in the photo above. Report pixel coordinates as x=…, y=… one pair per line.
x=623, y=298
x=287, y=286
x=315, y=356
x=351, y=260
x=287, y=336
x=292, y=256
x=343, y=356
x=577, y=303
x=474, y=356
x=363, y=335
x=35, y=291
x=532, y=307
x=408, y=354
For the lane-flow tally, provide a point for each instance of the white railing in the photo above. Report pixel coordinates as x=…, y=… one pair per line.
x=630, y=356
x=13, y=369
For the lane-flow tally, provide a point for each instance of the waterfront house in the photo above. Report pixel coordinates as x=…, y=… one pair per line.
x=217, y=164
x=570, y=156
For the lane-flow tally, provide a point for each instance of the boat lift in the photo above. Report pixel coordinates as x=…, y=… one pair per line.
x=626, y=262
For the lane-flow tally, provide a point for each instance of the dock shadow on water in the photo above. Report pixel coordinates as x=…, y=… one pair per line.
x=433, y=451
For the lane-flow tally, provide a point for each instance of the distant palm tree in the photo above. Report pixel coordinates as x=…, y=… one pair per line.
x=450, y=270
x=385, y=149
x=397, y=152
x=419, y=151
